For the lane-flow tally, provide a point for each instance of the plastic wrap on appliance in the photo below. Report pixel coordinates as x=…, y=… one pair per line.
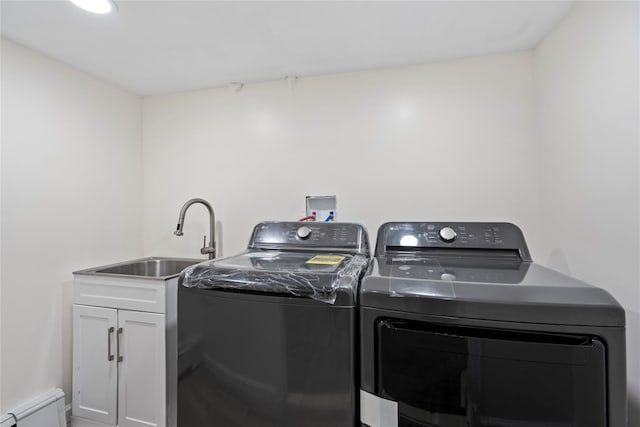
x=241, y=276
x=419, y=277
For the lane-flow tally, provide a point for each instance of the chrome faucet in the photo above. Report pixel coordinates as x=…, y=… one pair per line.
x=211, y=249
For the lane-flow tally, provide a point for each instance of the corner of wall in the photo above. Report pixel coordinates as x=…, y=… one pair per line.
x=1, y=121
x=94, y=187
x=587, y=78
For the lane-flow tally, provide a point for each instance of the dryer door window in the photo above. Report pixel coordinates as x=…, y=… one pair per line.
x=462, y=376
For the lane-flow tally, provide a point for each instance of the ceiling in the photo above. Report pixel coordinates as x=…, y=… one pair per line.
x=158, y=47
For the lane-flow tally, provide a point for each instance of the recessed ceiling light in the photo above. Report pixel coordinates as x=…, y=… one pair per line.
x=95, y=6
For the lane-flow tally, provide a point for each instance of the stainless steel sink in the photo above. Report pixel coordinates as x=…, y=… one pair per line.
x=154, y=267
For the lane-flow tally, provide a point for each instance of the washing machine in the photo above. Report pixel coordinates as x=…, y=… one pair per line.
x=460, y=328
x=268, y=337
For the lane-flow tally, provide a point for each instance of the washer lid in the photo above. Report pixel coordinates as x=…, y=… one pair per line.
x=498, y=289
x=323, y=276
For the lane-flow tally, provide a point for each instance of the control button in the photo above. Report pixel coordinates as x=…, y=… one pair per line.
x=447, y=234
x=448, y=277
x=303, y=232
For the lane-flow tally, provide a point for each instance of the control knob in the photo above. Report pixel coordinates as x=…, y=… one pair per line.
x=304, y=232
x=448, y=234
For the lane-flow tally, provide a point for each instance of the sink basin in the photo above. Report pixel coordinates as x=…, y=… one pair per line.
x=149, y=268
x=154, y=267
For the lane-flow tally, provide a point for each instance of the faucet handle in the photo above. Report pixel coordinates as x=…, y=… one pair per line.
x=208, y=250
x=205, y=249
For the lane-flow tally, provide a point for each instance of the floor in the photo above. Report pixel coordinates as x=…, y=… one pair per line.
x=79, y=422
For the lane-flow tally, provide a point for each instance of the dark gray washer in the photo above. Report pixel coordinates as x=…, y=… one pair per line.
x=260, y=356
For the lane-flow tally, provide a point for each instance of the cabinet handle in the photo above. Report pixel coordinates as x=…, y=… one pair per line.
x=118, y=344
x=109, y=332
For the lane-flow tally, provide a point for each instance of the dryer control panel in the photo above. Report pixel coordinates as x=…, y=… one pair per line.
x=326, y=236
x=453, y=237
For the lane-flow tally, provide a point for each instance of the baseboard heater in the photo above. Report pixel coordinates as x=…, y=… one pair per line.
x=46, y=410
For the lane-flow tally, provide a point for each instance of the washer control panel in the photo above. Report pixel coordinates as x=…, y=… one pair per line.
x=322, y=235
x=407, y=236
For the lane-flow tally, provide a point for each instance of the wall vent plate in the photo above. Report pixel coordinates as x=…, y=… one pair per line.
x=322, y=207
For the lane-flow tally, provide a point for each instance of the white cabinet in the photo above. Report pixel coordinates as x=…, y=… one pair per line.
x=125, y=351
x=141, y=373
x=95, y=371
x=119, y=366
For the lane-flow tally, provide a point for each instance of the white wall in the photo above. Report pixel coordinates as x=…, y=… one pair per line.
x=587, y=81
x=1, y=90
x=71, y=199
x=1, y=408
x=453, y=141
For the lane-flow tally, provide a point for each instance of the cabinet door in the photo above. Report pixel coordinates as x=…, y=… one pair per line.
x=142, y=373
x=94, y=363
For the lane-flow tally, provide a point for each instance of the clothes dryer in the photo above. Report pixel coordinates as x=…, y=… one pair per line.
x=460, y=328
x=268, y=337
